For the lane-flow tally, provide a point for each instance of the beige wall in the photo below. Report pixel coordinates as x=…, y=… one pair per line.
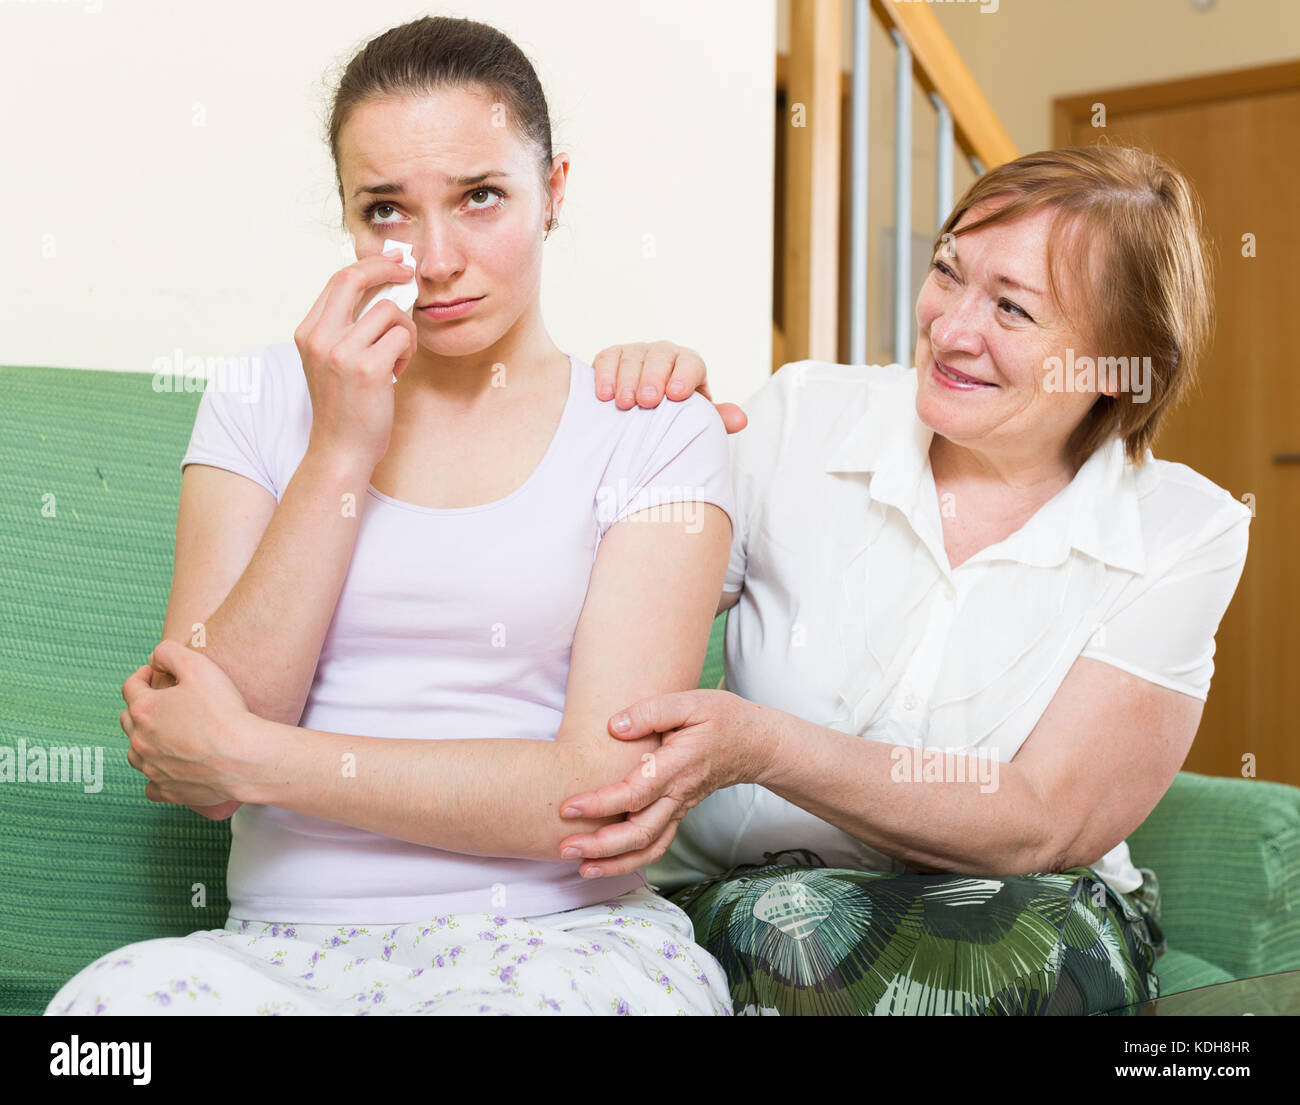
x=128, y=230
x=1029, y=52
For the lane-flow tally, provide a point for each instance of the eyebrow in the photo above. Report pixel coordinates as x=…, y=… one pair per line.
x=1008, y=282
x=393, y=188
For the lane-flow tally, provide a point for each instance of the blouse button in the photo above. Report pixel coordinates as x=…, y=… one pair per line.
x=909, y=703
x=948, y=592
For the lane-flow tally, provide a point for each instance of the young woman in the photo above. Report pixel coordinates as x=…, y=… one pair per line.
x=448, y=581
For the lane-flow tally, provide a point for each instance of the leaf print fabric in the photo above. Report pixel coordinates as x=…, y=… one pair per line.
x=803, y=939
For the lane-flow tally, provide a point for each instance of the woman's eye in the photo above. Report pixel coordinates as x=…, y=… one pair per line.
x=486, y=193
x=941, y=267
x=374, y=209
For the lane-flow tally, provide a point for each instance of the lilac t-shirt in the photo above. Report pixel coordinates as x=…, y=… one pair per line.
x=451, y=624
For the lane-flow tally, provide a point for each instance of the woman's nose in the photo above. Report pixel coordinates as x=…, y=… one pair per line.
x=956, y=325
x=440, y=255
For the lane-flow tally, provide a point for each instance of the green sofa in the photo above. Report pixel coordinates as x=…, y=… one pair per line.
x=87, y=515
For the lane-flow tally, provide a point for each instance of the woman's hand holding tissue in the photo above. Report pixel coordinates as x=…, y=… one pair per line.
x=350, y=365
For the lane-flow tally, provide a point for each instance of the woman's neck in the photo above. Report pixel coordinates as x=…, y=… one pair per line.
x=1027, y=478
x=521, y=360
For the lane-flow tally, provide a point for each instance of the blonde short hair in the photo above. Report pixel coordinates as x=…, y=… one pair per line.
x=1152, y=295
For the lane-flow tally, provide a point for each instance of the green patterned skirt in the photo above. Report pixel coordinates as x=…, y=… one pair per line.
x=802, y=939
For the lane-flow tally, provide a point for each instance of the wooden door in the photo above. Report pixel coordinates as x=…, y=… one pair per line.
x=1234, y=136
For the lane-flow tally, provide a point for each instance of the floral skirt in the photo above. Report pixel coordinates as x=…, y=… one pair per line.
x=806, y=940
x=634, y=954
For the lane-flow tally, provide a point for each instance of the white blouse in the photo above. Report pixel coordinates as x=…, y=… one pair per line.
x=851, y=616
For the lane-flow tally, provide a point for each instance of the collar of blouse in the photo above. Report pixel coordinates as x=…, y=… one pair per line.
x=1096, y=513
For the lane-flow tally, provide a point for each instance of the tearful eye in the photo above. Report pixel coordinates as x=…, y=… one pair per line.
x=495, y=195
x=370, y=212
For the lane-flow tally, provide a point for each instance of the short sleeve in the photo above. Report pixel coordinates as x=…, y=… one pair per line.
x=673, y=453
x=229, y=425
x=735, y=580
x=1164, y=633
x=755, y=452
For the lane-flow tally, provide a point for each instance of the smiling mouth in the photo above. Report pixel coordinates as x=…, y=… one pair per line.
x=959, y=377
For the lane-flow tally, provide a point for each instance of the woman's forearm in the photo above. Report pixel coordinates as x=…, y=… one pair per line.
x=932, y=811
x=489, y=797
x=268, y=632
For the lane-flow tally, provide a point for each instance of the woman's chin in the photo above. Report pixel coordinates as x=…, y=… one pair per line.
x=945, y=415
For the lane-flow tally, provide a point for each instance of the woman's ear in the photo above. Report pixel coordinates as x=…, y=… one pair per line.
x=556, y=184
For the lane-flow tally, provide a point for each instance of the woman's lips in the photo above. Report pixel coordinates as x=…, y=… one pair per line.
x=957, y=381
x=454, y=308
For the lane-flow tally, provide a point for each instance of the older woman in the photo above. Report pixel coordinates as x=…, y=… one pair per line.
x=977, y=565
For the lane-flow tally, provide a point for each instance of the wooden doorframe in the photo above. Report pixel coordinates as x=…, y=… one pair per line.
x=1230, y=84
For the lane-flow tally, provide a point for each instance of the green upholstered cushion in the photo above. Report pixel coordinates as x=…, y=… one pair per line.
x=1181, y=971
x=87, y=526
x=1227, y=854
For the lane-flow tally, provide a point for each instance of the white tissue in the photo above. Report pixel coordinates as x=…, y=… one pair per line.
x=404, y=295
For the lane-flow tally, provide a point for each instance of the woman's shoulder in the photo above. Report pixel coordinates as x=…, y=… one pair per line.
x=691, y=416
x=1182, y=508
x=803, y=404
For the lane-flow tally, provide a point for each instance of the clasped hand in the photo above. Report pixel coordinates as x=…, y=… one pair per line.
x=711, y=740
x=187, y=739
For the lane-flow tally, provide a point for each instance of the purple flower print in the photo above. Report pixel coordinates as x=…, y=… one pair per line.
x=553, y=1004
x=498, y=921
x=335, y=941
x=379, y=996
x=534, y=941
x=664, y=982
x=361, y=997
x=179, y=984
x=507, y=973
x=291, y=932
x=315, y=958
x=416, y=972
x=670, y=950
x=275, y=930
x=353, y=932
x=204, y=987
x=501, y=948
x=487, y=935
x=439, y=961
x=122, y=963
x=455, y=952
x=309, y=974
x=388, y=950
x=621, y=1011
x=444, y=921
x=98, y=1008
x=163, y=999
